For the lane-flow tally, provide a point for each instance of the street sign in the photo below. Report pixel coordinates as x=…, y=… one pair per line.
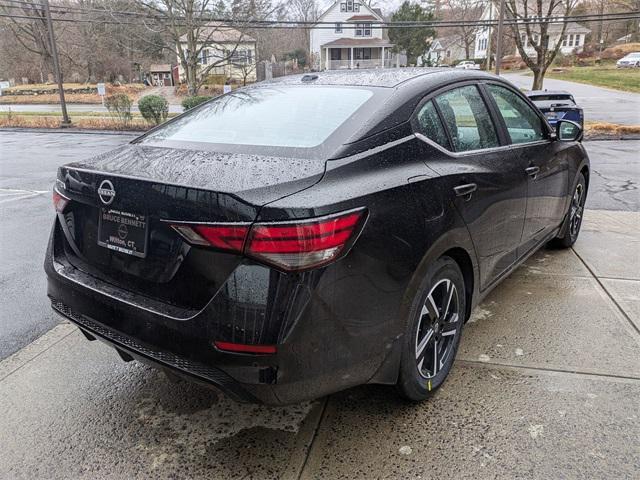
x=101, y=89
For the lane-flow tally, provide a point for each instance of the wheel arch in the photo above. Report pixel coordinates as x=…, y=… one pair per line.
x=463, y=259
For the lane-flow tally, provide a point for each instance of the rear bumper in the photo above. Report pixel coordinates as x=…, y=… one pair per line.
x=127, y=346
x=332, y=330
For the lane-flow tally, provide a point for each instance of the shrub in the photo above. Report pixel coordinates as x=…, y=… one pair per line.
x=154, y=108
x=119, y=104
x=190, y=102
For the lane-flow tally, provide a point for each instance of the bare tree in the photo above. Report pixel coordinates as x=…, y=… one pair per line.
x=246, y=69
x=189, y=31
x=31, y=33
x=305, y=11
x=537, y=34
x=464, y=11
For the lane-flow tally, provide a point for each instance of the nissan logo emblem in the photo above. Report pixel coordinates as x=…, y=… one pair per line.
x=106, y=192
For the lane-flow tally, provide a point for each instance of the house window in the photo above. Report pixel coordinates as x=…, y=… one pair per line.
x=362, y=54
x=577, y=41
x=338, y=27
x=363, y=29
x=571, y=40
x=564, y=41
x=349, y=6
x=240, y=57
x=204, y=56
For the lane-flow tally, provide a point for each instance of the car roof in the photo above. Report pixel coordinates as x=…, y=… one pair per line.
x=531, y=93
x=380, y=77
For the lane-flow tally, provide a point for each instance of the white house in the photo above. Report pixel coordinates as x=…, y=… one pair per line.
x=350, y=40
x=221, y=42
x=572, y=42
x=445, y=50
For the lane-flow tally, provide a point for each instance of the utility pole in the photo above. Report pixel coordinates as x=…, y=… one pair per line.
x=66, y=122
x=489, y=37
x=499, y=38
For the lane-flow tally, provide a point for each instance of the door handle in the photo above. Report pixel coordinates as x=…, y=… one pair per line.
x=465, y=190
x=532, y=171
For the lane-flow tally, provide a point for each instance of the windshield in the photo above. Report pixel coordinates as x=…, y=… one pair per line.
x=542, y=98
x=300, y=117
x=633, y=55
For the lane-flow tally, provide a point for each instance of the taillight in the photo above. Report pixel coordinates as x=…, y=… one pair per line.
x=288, y=246
x=245, y=348
x=305, y=244
x=228, y=237
x=59, y=201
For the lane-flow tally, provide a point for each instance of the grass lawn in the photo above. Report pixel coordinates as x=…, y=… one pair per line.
x=627, y=79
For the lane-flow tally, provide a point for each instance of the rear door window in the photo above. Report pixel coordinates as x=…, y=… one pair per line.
x=467, y=118
x=523, y=123
x=430, y=126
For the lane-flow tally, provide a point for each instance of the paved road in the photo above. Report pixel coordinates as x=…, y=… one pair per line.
x=599, y=104
x=71, y=108
x=545, y=385
x=28, y=163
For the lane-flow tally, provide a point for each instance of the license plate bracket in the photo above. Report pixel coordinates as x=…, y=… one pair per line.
x=123, y=232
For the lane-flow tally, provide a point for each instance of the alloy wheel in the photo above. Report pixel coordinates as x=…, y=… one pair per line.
x=438, y=327
x=577, y=208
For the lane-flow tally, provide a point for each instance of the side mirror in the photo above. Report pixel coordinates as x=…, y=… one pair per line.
x=568, y=131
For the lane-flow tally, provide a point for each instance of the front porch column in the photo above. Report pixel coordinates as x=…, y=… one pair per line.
x=326, y=58
x=382, y=55
x=351, y=58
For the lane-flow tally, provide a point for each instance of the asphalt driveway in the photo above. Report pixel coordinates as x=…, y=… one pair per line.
x=599, y=104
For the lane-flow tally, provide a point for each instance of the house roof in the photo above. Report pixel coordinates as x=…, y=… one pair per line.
x=446, y=42
x=363, y=8
x=358, y=18
x=217, y=33
x=359, y=42
x=161, y=67
x=572, y=27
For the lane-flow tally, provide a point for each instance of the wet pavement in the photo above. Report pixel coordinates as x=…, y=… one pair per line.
x=546, y=383
x=599, y=104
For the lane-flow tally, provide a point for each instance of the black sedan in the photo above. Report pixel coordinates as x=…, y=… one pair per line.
x=302, y=236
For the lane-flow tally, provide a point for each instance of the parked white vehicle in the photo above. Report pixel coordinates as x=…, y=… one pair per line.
x=630, y=60
x=468, y=65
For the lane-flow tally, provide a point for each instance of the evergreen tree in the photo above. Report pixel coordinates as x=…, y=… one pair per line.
x=411, y=40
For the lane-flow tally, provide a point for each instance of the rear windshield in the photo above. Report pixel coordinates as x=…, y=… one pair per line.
x=542, y=98
x=300, y=117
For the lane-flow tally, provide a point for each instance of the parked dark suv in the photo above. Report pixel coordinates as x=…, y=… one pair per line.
x=302, y=236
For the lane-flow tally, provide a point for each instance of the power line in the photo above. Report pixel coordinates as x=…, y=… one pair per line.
x=276, y=24
x=255, y=23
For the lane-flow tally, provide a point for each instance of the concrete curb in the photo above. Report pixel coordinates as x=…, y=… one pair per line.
x=82, y=131
x=23, y=356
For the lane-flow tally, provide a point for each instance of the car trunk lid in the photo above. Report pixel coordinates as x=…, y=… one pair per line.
x=149, y=188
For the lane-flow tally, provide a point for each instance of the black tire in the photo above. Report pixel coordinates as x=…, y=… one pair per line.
x=573, y=220
x=417, y=380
